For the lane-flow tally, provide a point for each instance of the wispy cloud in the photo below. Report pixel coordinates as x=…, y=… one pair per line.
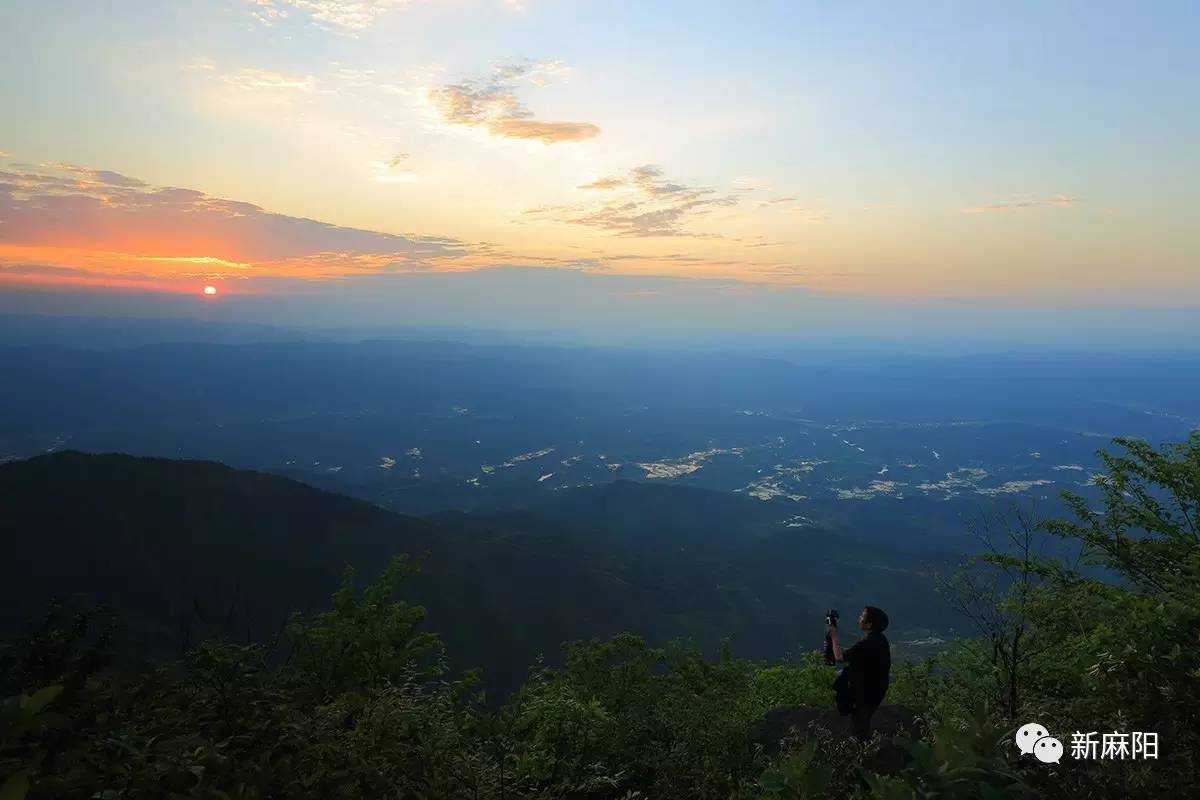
x=776, y=201
x=43, y=269
x=644, y=203
x=603, y=184
x=747, y=183
x=791, y=207
x=340, y=16
x=394, y=170
x=268, y=90
x=100, y=177
x=265, y=80
x=345, y=16
x=341, y=105
x=492, y=104
x=1021, y=205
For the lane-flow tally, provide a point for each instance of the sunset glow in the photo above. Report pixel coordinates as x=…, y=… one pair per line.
x=303, y=148
x=210, y=290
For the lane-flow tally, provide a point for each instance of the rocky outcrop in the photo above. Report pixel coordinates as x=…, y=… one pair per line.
x=799, y=723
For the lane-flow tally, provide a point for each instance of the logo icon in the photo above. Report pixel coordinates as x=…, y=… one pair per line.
x=1035, y=740
x=1048, y=750
x=1028, y=735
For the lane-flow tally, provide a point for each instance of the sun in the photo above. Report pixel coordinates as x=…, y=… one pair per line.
x=210, y=290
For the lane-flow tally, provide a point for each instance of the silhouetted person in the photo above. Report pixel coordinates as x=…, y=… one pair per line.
x=863, y=683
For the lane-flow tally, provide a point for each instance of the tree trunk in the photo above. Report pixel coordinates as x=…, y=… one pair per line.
x=1012, y=673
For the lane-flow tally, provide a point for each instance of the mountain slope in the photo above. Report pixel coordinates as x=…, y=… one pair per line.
x=178, y=546
x=164, y=535
x=724, y=564
x=181, y=546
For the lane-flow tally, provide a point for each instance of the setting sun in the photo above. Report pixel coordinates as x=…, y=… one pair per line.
x=210, y=290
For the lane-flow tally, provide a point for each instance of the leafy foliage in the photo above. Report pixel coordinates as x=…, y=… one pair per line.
x=1149, y=530
x=1115, y=649
x=362, y=643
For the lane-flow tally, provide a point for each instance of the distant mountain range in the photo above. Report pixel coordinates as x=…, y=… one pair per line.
x=426, y=426
x=178, y=547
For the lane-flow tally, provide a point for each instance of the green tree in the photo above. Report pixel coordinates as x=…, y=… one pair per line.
x=364, y=642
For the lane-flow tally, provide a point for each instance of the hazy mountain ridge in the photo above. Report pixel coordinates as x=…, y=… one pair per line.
x=424, y=426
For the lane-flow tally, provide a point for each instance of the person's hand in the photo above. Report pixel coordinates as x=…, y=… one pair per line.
x=831, y=631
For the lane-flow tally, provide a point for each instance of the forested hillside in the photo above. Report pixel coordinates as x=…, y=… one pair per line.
x=358, y=700
x=182, y=549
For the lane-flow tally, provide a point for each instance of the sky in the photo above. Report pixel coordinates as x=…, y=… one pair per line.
x=682, y=166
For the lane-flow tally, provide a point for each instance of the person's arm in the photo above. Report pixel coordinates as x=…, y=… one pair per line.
x=832, y=632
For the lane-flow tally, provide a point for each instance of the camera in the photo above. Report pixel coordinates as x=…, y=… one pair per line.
x=831, y=617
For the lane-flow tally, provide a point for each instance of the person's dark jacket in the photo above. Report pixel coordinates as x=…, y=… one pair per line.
x=864, y=681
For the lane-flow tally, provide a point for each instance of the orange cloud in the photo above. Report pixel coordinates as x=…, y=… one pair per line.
x=603, y=184
x=492, y=104
x=546, y=132
x=1021, y=205
x=104, y=225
